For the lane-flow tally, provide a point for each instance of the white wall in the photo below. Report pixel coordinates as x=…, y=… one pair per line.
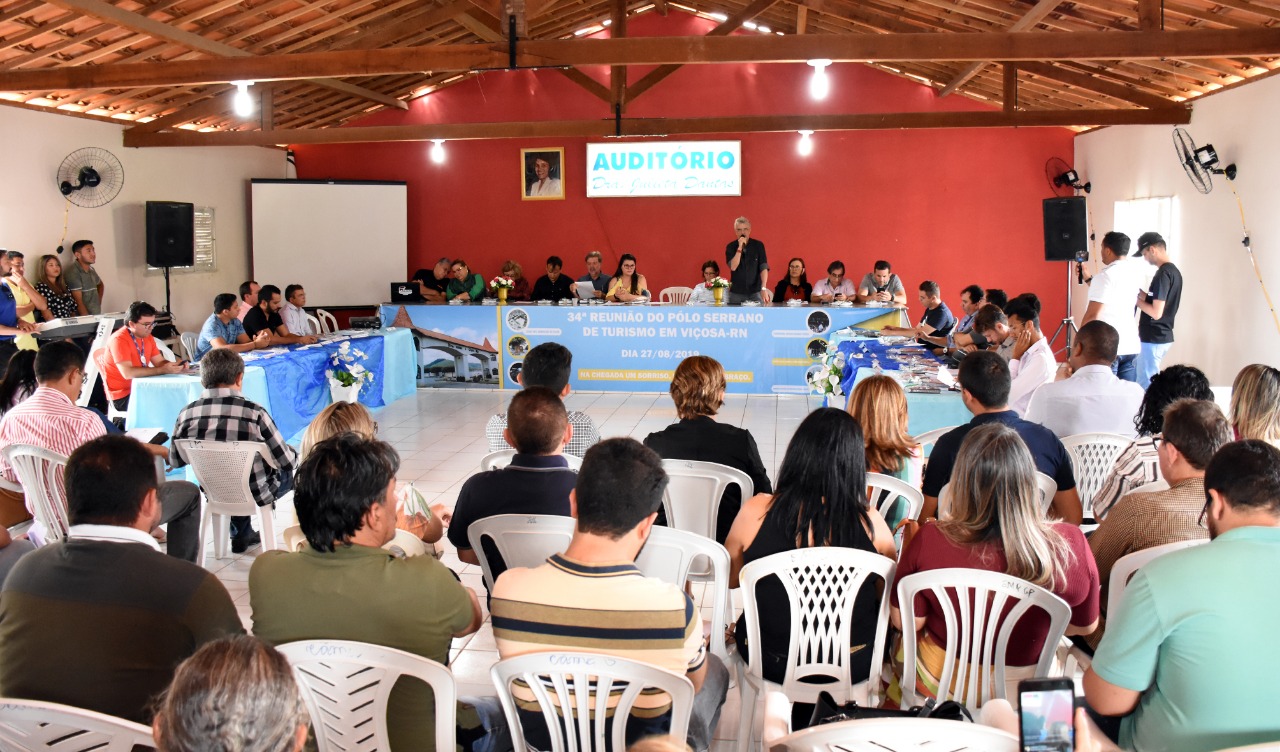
x=1224, y=322
x=33, y=144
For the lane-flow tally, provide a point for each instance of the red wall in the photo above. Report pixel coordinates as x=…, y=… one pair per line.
x=958, y=206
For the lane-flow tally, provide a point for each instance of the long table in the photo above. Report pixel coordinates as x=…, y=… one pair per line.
x=288, y=382
x=630, y=348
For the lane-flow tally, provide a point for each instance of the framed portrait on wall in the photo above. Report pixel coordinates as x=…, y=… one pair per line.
x=542, y=174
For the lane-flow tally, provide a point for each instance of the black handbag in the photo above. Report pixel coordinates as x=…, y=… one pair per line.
x=827, y=711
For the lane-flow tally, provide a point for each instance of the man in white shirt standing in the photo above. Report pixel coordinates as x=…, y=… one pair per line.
x=1112, y=292
x=295, y=318
x=1031, y=363
x=1087, y=397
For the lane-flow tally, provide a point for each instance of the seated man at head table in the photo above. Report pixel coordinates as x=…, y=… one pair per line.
x=595, y=283
x=432, y=283
x=834, y=287
x=223, y=329
x=248, y=299
x=266, y=317
x=881, y=285
x=961, y=335
x=937, y=319
x=294, y=312
x=553, y=285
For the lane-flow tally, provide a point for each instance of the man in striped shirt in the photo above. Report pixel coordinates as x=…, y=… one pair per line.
x=593, y=599
x=50, y=419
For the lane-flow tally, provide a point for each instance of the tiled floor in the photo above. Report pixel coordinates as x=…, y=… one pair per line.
x=440, y=437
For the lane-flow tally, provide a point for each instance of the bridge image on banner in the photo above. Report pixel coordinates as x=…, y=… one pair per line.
x=456, y=350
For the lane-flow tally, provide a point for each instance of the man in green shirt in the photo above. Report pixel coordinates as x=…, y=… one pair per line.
x=1190, y=656
x=82, y=281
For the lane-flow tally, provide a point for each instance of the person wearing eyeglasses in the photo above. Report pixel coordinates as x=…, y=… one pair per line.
x=835, y=287
x=132, y=353
x=703, y=292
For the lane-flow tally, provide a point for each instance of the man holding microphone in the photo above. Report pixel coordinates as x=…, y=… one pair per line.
x=748, y=266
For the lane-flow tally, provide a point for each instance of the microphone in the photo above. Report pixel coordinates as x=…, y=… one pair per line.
x=1079, y=273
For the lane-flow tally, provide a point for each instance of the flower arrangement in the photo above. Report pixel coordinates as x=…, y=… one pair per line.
x=825, y=379
x=347, y=369
x=501, y=283
x=718, y=282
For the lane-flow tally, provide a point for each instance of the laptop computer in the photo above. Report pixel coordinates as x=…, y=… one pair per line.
x=405, y=292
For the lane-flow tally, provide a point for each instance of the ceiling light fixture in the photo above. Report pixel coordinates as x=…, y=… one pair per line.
x=437, y=150
x=805, y=147
x=242, y=102
x=820, y=83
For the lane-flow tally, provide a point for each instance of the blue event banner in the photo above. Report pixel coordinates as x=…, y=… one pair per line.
x=764, y=350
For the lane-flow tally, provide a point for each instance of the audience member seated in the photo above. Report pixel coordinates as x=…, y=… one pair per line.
x=19, y=380
x=100, y=620
x=594, y=277
x=937, y=319
x=538, y=480
x=795, y=285
x=224, y=330
x=353, y=417
x=703, y=292
x=1194, y=430
x=28, y=300
x=553, y=285
x=345, y=586
x=294, y=314
x=821, y=501
x=1255, y=396
x=879, y=405
x=131, y=353
x=592, y=599
x=512, y=270
x=991, y=330
x=236, y=694
x=984, y=388
x=221, y=413
x=1190, y=654
x=547, y=365
x=697, y=389
x=10, y=551
x=881, y=285
x=248, y=299
x=12, y=326
x=962, y=336
x=627, y=284
x=50, y=419
x=464, y=285
x=50, y=285
x=1139, y=463
x=1086, y=396
x=266, y=317
x=995, y=524
x=834, y=287
x=434, y=282
x=1031, y=362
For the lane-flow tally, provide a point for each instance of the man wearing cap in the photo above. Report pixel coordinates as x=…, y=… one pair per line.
x=1158, y=305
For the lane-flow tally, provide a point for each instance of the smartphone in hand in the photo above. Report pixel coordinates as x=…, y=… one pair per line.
x=1047, y=716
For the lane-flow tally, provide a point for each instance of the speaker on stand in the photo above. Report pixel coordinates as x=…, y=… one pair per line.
x=1066, y=238
x=171, y=238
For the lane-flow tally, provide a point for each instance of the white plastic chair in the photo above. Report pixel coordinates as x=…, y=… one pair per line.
x=165, y=350
x=821, y=584
x=40, y=471
x=189, y=342
x=328, y=323
x=314, y=324
x=884, y=491
x=405, y=541
x=694, y=488
x=1048, y=487
x=590, y=684
x=222, y=470
x=346, y=684
x=669, y=555
x=883, y=734
x=1128, y=565
x=524, y=540
x=501, y=458
x=927, y=439
x=34, y=726
x=1092, y=457
x=675, y=295
x=977, y=633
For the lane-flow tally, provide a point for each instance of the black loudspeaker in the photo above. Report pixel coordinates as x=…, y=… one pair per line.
x=1066, y=230
x=171, y=234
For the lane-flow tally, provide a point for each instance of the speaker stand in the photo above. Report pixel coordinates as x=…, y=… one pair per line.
x=1068, y=325
x=167, y=309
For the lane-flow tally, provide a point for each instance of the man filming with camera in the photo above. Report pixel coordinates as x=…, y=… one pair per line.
x=1112, y=292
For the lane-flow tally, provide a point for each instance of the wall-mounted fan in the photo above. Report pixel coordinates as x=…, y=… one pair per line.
x=1201, y=164
x=1063, y=181
x=90, y=177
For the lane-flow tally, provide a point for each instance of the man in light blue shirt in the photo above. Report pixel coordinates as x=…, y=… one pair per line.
x=1191, y=655
x=223, y=329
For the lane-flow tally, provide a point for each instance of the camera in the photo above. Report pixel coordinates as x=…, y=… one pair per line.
x=1082, y=256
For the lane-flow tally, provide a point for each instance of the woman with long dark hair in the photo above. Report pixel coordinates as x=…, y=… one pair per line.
x=627, y=283
x=49, y=284
x=794, y=286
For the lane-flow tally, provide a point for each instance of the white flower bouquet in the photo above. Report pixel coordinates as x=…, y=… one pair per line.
x=718, y=282
x=347, y=369
x=826, y=378
x=501, y=283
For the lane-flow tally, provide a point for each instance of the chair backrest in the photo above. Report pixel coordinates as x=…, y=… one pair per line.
x=189, y=342
x=884, y=490
x=692, y=498
x=328, y=322
x=1128, y=565
x=927, y=439
x=978, y=629
x=882, y=734
x=523, y=540
x=34, y=726
x=501, y=458
x=40, y=472
x=346, y=684
x=821, y=584
x=314, y=324
x=223, y=468
x=165, y=351
x=669, y=555
x=589, y=684
x=1092, y=457
x=676, y=295
x=1046, y=486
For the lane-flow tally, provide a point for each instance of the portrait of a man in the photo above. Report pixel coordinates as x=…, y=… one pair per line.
x=542, y=173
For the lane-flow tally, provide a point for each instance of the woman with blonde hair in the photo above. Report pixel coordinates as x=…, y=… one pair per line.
x=1255, y=395
x=996, y=524
x=512, y=270
x=353, y=417
x=880, y=406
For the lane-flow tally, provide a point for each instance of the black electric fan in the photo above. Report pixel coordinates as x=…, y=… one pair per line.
x=1201, y=164
x=90, y=177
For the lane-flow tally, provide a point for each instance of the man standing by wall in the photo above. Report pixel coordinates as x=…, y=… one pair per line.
x=748, y=266
x=1159, y=305
x=1111, y=295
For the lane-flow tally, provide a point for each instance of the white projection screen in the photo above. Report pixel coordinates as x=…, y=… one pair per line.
x=344, y=241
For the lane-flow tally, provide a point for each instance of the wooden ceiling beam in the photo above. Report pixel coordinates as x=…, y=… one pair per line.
x=219, y=101
x=1009, y=97
x=1029, y=20
x=618, y=73
x=1093, y=84
x=665, y=126
x=594, y=87
x=1150, y=45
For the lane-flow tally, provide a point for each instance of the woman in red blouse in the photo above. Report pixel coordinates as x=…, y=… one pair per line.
x=794, y=286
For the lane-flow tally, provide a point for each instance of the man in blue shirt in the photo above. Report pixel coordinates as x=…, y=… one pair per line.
x=223, y=329
x=1190, y=654
x=937, y=320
